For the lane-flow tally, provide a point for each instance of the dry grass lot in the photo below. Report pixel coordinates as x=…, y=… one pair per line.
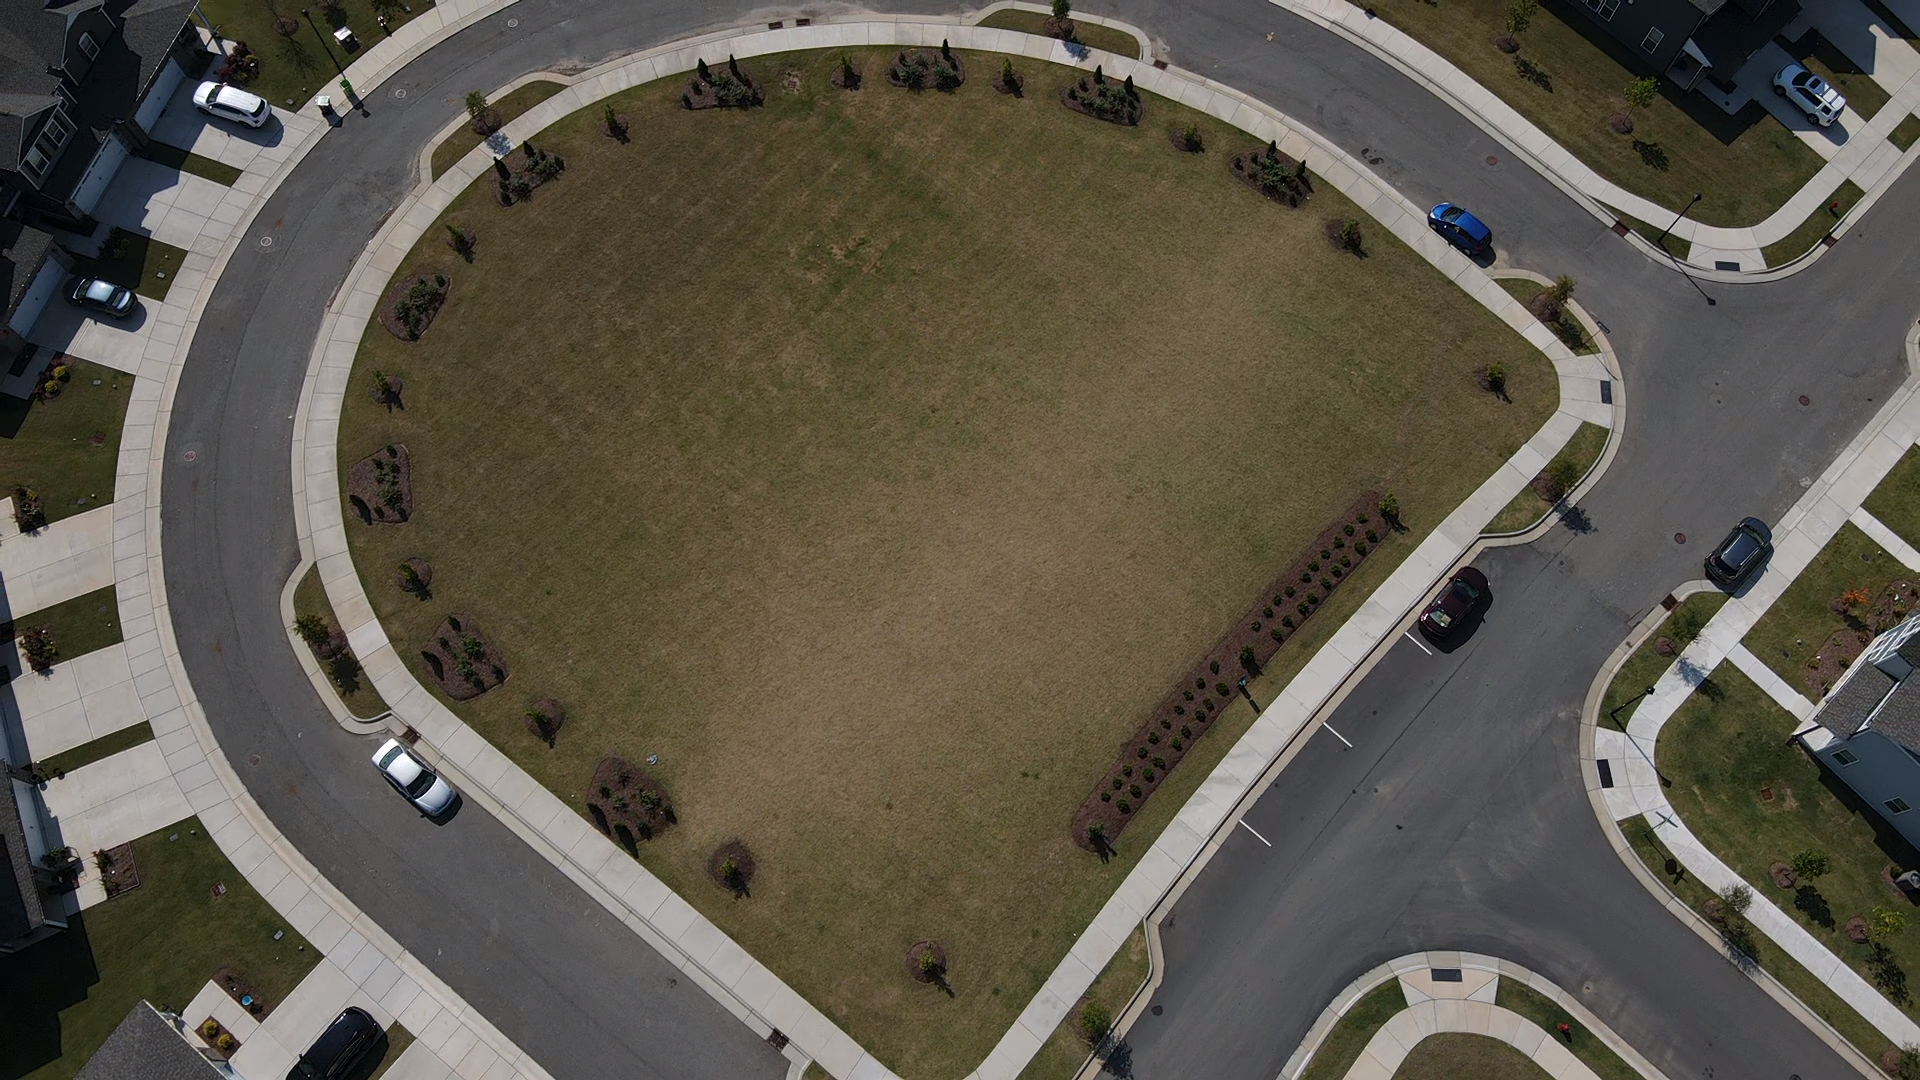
x=1747, y=166
x=876, y=460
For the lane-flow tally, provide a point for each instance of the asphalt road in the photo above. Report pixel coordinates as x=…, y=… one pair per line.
x=1473, y=753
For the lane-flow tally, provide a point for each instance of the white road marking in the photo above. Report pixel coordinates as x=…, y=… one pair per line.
x=1337, y=735
x=1417, y=641
x=1256, y=835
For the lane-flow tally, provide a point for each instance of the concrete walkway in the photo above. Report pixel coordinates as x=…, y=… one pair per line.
x=628, y=889
x=1456, y=992
x=1865, y=158
x=79, y=700
x=108, y=803
x=1637, y=790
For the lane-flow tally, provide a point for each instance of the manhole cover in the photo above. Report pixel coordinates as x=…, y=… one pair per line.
x=1805, y=400
x=399, y=91
x=1491, y=160
x=266, y=241
x=1157, y=1010
x=1679, y=538
x=191, y=455
x=253, y=759
x=511, y=23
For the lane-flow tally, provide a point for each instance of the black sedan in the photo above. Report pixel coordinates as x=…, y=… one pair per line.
x=345, y=1043
x=1740, y=554
x=115, y=300
x=1465, y=592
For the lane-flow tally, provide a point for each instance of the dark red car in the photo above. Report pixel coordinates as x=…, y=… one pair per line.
x=1456, y=601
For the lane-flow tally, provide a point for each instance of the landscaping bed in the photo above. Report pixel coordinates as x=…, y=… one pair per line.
x=380, y=486
x=410, y=305
x=342, y=667
x=865, y=583
x=1103, y=99
x=1273, y=174
x=924, y=69
x=63, y=448
x=627, y=803
x=1092, y=35
x=1188, y=711
x=509, y=107
x=722, y=88
x=461, y=661
x=1842, y=593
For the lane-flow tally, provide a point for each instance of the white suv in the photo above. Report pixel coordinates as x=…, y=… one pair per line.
x=1812, y=94
x=231, y=103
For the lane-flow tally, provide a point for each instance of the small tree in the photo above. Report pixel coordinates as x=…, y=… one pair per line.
x=1191, y=138
x=1246, y=657
x=1906, y=1062
x=1389, y=507
x=1520, y=15
x=1095, y=1022
x=1062, y=9
x=848, y=76
x=930, y=963
x=1497, y=378
x=476, y=104
x=409, y=575
x=1809, y=864
x=1641, y=92
x=1738, y=898
x=1561, y=290
x=733, y=66
x=312, y=629
x=1097, y=836
x=1886, y=922
x=1854, y=598
x=609, y=117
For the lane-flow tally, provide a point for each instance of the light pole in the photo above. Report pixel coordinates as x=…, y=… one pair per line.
x=323, y=41
x=1662, y=242
x=1613, y=714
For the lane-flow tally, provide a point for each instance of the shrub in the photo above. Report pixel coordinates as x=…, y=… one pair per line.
x=1810, y=864
x=1213, y=666
x=1176, y=744
x=1061, y=9
x=29, y=513
x=1289, y=591
x=226, y=1043
x=209, y=1028
x=1561, y=290
x=1497, y=378
x=1641, y=92
x=1142, y=752
x=409, y=575
x=1134, y=790
x=1190, y=138
x=1886, y=922
x=1277, y=635
x=1389, y=509
x=1126, y=770
x=1372, y=537
x=313, y=630
x=929, y=963
x=476, y=104
x=1246, y=656
x=1125, y=807
x=1159, y=763
x=1186, y=732
x=1006, y=71
x=1106, y=796
x=1189, y=694
x=1520, y=15
x=1221, y=689
x=1153, y=738
x=1737, y=898
x=1097, y=836
x=1166, y=724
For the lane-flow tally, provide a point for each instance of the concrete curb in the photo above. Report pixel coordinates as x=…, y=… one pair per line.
x=684, y=936
x=1417, y=962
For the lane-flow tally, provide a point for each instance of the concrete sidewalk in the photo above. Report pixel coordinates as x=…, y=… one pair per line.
x=70, y=557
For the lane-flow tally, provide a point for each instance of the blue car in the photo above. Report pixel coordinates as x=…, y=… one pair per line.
x=1461, y=229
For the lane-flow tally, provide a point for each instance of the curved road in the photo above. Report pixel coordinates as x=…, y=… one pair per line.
x=1472, y=753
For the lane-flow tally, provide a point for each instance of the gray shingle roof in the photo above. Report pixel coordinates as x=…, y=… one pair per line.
x=1849, y=705
x=146, y=1047
x=20, y=911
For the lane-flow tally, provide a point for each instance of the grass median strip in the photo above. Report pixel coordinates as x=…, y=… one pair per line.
x=1656, y=654
x=100, y=749
x=63, y=448
x=455, y=146
x=1349, y=1036
x=1817, y=226
x=1061, y=1056
x=1091, y=34
x=186, y=161
x=138, y=262
x=84, y=624
x=347, y=679
x=1547, y=1013
x=1905, y=133
x=1677, y=246
x=1560, y=476
x=60, y=998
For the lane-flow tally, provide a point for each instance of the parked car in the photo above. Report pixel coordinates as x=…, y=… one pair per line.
x=1742, y=552
x=1463, y=592
x=339, y=1048
x=1461, y=229
x=231, y=103
x=413, y=779
x=87, y=292
x=1812, y=94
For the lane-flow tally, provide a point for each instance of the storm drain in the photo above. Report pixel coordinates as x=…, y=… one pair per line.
x=1446, y=975
x=1606, y=772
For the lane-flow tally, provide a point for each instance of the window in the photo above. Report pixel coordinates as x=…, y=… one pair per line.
x=1898, y=806
x=1653, y=39
x=1603, y=8
x=1845, y=757
x=53, y=135
x=89, y=46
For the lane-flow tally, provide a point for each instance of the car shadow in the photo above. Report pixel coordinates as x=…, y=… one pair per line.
x=1463, y=630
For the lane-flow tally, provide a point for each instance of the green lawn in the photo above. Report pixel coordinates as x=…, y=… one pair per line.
x=141, y=263
x=847, y=471
x=1896, y=501
x=1061, y=1056
x=1725, y=753
x=356, y=692
x=1528, y=507
x=293, y=69
x=98, y=749
x=1747, y=166
x=455, y=146
x=1090, y=34
x=1905, y=133
x=1645, y=666
x=1789, y=637
x=1542, y=1010
x=1451, y=1055
x=64, y=447
x=1355, y=1028
x=1788, y=972
x=186, y=161
x=60, y=998
x=1818, y=224
x=81, y=625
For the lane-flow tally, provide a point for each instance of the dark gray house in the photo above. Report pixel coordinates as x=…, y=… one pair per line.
x=31, y=907
x=1867, y=731
x=1683, y=40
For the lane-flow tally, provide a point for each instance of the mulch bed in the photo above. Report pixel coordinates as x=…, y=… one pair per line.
x=213, y=1041
x=927, y=69
x=1017, y=86
x=1190, y=709
x=618, y=130
x=486, y=123
x=544, y=719
x=239, y=989
x=1284, y=180
x=422, y=586
x=390, y=304
x=116, y=869
x=743, y=865
x=392, y=396
x=628, y=804
x=380, y=485
x=1843, y=647
x=1338, y=237
x=1103, y=99
x=839, y=77
x=527, y=167
x=450, y=647
x=914, y=953
x=725, y=87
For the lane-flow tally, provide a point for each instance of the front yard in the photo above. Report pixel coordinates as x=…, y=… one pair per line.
x=307, y=61
x=1847, y=594
x=1747, y=165
x=1755, y=799
x=1896, y=501
x=64, y=448
x=162, y=941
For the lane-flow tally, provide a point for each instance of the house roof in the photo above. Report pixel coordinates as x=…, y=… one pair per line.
x=151, y=28
x=1850, y=703
x=20, y=912
x=147, y=1047
x=31, y=39
x=1708, y=7
x=22, y=250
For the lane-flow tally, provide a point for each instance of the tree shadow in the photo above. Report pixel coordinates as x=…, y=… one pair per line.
x=1116, y=1057
x=1574, y=518
x=1808, y=901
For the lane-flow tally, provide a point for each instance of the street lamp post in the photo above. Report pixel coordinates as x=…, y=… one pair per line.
x=1662, y=242
x=1613, y=714
x=323, y=41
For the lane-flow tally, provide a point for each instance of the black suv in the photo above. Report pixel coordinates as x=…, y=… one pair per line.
x=1742, y=552
x=339, y=1048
